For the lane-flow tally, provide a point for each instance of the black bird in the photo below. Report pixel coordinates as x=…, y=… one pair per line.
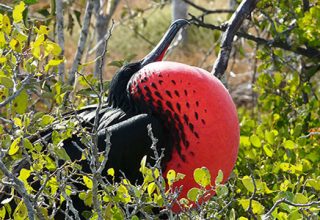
x=190, y=112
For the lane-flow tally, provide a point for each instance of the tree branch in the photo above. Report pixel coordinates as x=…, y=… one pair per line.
x=60, y=35
x=82, y=41
x=234, y=23
x=284, y=200
x=206, y=11
x=102, y=23
x=308, y=52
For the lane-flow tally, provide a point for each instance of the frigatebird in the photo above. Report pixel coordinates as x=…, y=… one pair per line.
x=190, y=112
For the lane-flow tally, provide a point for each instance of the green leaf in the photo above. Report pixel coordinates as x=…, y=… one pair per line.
x=202, y=176
x=219, y=177
x=222, y=190
x=289, y=144
x=256, y=206
x=46, y=120
x=3, y=212
x=30, y=2
x=300, y=198
x=14, y=147
x=193, y=194
x=6, y=81
x=21, y=211
x=269, y=135
x=134, y=217
x=248, y=183
x=255, y=140
x=21, y=102
x=268, y=150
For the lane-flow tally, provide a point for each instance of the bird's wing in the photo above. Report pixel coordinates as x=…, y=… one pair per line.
x=130, y=142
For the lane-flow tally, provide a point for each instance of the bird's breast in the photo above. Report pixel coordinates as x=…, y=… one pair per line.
x=196, y=110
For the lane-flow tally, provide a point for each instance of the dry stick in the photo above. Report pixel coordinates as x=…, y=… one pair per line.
x=19, y=186
x=82, y=41
x=234, y=23
x=60, y=35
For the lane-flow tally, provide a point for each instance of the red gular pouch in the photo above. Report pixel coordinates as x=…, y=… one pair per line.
x=198, y=115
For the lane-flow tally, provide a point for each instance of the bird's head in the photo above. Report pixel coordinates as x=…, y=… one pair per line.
x=118, y=95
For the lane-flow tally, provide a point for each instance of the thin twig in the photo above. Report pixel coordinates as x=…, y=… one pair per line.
x=284, y=200
x=19, y=186
x=206, y=11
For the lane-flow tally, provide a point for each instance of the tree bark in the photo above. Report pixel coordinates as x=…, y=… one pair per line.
x=180, y=11
x=102, y=23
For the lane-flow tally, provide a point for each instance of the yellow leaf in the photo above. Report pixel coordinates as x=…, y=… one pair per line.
x=2, y=41
x=171, y=176
x=256, y=206
x=88, y=182
x=52, y=48
x=14, y=147
x=2, y=59
x=6, y=26
x=110, y=172
x=17, y=12
x=14, y=44
x=43, y=30
x=24, y=174
x=21, y=211
x=151, y=188
x=18, y=122
x=53, y=184
x=52, y=63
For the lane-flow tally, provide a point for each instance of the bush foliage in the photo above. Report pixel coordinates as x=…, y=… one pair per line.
x=277, y=175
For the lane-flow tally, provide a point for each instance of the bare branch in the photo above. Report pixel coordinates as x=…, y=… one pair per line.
x=244, y=9
x=308, y=52
x=60, y=35
x=82, y=41
x=284, y=200
x=102, y=23
x=310, y=134
x=206, y=11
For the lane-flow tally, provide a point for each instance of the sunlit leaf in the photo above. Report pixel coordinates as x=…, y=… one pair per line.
x=14, y=147
x=202, y=176
x=17, y=12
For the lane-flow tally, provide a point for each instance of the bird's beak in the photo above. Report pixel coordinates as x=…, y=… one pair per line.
x=159, y=51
